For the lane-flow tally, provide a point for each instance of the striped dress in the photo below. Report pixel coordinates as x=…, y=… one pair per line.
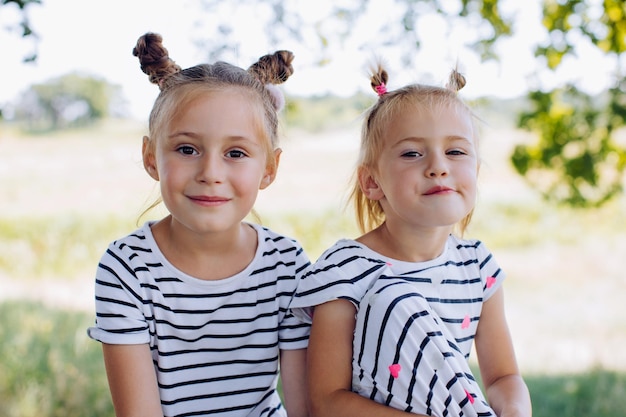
x=215, y=344
x=415, y=322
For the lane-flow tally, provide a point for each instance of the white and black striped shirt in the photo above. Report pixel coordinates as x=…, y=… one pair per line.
x=215, y=344
x=455, y=284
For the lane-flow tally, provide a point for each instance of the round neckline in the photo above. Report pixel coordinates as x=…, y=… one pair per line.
x=399, y=262
x=190, y=279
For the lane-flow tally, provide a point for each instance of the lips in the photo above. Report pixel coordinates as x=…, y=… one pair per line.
x=210, y=200
x=438, y=190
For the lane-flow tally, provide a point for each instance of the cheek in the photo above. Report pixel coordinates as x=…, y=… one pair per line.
x=170, y=172
x=468, y=176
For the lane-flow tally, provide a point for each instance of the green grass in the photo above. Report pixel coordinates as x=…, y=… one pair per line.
x=33, y=247
x=50, y=368
x=598, y=393
x=48, y=365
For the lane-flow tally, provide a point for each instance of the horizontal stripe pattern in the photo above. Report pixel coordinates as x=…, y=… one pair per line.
x=215, y=344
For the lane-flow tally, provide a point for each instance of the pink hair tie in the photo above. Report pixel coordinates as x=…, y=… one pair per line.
x=381, y=89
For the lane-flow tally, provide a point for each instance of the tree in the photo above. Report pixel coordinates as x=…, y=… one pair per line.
x=23, y=27
x=284, y=19
x=70, y=100
x=576, y=159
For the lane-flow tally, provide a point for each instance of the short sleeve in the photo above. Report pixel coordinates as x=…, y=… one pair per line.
x=293, y=332
x=490, y=273
x=119, y=317
x=342, y=272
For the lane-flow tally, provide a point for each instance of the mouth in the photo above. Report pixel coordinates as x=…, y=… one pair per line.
x=209, y=200
x=438, y=190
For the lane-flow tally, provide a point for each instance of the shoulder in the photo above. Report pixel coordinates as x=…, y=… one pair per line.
x=344, y=271
x=276, y=248
x=346, y=262
x=128, y=262
x=463, y=244
x=136, y=242
x=348, y=249
x=475, y=252
x=271, y=238
x=468, y=247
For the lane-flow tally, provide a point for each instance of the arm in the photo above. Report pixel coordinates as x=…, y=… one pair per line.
x=132, y=380
x=293, y=378
x=330, y=366
x=506, y=391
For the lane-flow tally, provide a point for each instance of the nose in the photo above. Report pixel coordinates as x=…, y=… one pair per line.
x=436, y=166
x=210, y=169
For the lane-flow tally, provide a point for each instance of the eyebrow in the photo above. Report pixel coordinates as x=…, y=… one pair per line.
x=460, y=138
x=449, y=138
x=193, y=135
x=182, y=133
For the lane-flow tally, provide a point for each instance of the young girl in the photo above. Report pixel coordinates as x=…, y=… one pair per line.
x=193, y=310
x=397, y=310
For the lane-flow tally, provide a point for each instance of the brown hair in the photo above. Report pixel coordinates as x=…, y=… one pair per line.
x=369, y=213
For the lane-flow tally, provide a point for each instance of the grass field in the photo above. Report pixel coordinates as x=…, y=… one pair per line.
x=64, y=197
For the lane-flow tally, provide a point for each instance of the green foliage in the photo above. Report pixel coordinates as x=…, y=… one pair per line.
x=564, y=19
x=48, y=365
x=499, y=26
x=576, y=160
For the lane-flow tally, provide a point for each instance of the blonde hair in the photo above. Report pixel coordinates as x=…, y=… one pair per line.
x=369, y=213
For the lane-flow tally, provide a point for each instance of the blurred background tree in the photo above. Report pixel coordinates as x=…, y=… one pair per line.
x=575, y=160
x=69, y=101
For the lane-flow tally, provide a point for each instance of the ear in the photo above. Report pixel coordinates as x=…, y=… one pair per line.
x=270, y=171
x=370, y=187
x=149, y=160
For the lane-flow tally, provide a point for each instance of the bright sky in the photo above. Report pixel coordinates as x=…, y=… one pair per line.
x=97, y=37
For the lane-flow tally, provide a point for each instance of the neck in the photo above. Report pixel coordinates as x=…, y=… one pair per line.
x=207, y=256
x=407, y=244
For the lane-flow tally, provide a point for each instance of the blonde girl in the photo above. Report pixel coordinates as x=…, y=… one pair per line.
x=395, y=312
x=193, y=310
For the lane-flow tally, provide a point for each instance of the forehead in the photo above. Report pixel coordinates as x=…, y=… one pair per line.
x=442, y=120
x=223, y=104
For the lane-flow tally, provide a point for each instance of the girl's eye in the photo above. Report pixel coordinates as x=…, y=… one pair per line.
x=236, y=154
x=186, y=150
x=456, y=152
x=410, y=154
